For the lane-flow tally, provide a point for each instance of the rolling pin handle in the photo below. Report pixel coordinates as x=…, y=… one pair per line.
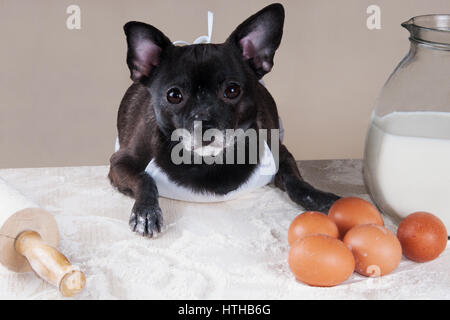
x=50, y=264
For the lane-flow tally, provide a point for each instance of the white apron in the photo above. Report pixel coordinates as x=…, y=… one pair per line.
x=263, y=174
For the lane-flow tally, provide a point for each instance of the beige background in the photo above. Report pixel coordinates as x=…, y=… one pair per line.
x=60, y=89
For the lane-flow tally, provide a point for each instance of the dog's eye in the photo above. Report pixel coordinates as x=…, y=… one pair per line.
x=232, y=91
x=174, y=96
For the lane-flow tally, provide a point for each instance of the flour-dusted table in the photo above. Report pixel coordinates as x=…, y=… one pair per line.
x=231, y=250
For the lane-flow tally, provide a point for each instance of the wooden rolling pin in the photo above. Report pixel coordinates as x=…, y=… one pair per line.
x=28, y=238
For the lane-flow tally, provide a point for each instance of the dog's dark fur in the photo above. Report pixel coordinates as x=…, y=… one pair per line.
x=201, y=72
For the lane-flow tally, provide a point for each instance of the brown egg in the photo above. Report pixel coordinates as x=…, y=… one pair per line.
x=351, y=211
x=423, y=236
x=377, y=250
x=320, y=260
x=309, y=223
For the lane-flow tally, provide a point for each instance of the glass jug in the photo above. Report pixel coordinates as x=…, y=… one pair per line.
x=407, y=152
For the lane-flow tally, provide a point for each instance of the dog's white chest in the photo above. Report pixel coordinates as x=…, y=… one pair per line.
x=261, y=176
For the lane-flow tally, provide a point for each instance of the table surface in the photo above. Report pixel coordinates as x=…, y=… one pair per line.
x=230, y=250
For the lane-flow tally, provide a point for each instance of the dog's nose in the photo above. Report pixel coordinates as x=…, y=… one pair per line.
x=205, y=120
x=205, y=125
x=208, y=125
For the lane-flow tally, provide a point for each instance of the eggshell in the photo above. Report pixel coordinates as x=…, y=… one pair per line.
x=309, y=223
x=351, y=211
x=320, y=260
x=377, y=250
x=423, y=236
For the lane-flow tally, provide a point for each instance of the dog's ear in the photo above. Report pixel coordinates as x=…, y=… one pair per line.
x=145, y=45
x=259, y=37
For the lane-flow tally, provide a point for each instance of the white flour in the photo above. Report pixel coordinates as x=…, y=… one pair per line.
x=230, y=250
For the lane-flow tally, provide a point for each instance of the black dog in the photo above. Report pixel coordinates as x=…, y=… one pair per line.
x=217, y=84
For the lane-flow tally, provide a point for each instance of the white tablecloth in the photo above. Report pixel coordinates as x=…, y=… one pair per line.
x=231, y=250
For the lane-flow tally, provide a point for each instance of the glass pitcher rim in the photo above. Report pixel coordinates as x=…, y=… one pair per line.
x=412, y=22
x=432, y=30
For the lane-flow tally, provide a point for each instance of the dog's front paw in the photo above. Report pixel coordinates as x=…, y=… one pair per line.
x=319, y=201
x=308, y=197
x=146, y=219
